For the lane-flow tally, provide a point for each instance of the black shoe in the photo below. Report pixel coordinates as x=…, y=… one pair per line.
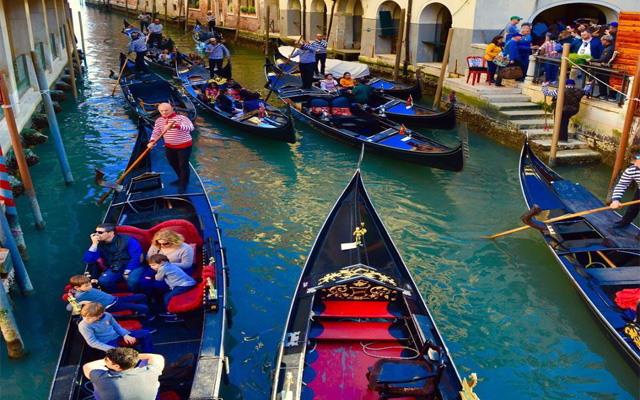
x=174, y=183
x=621, y=224
x=499, y=85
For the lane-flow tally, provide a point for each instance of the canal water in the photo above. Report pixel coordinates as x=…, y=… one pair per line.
x=504, y=307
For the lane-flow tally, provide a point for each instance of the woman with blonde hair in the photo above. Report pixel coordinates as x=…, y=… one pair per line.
x=172, y=245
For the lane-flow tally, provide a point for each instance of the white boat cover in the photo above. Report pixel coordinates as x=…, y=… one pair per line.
x=336, y=67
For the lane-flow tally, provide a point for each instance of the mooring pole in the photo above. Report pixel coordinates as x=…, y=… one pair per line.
x=328, y=32
x=7, y=240
x=443, y=70
x=628, y=121
x=396, y=67
x=12, y=214
x=562, y=83
x=165, y=13
x=10, y=332
x=407, y=39
x=266, y=34
x=53, y=120
x=84, y=52
x=75, y=48
x=19, y=153
x=72, y=71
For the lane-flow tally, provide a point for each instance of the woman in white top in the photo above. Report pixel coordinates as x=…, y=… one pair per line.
x=328, y=83
x=172, y=245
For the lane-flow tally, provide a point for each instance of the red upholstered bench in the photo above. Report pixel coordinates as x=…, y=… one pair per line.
x=353, y=309
x=192, y=300
x=349, y=330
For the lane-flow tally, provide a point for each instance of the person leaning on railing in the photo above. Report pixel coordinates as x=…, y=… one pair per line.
x=603, y=77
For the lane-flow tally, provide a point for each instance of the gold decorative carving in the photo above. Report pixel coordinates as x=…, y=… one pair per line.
x=356, y=271
x=360, y=290
x=467, y=388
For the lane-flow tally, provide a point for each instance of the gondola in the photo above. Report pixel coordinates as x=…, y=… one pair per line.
x=339, y=67
x=402, y=112
x=153, y=53
x=201, y=36
x=599, y=260
x=274, y=125
x=358, y=327
x=338, y=118
x=146, y=204
x=143, y=93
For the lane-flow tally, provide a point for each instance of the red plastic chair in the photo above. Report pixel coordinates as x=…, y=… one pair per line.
x=477, y=66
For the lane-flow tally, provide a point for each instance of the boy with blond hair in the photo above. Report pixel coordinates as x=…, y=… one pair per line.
x=85, y=293
x=177, y=280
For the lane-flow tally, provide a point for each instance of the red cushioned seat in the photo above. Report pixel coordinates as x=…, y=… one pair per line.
x=181, y=226
x=141, y=235
x=349, y=330
x=170, y=395
x=354, y=309
x=191, y=300
x=130, y=325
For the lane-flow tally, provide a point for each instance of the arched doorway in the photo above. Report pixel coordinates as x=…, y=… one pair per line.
x=347, y=30
x=274, y=16
x=292, y=21
x=317, y=18
x=433, y=28
x=356, y=30
x=387, y=25
x=571, y=11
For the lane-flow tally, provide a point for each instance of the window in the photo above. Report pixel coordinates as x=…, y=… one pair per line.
x=63, y=39
x=40, y=50
x=54, y=47
x=22, y=74
x=194, y=4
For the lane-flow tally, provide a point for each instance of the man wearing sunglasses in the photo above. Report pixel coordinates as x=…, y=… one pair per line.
x=120, y=256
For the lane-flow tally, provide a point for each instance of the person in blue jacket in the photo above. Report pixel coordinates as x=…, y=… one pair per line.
x=510, y=50
x=588, y=45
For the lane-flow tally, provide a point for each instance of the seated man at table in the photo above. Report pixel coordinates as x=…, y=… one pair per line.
x=118, y=375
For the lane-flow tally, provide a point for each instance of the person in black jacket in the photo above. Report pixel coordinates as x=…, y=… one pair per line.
x=603, y=77
x=570, y=106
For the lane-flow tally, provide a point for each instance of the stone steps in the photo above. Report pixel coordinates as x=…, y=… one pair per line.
x=506, y=98
x=512, y=115
x=517, y=105
x=572, y=144
x=527, y=124
x=540, y=133
x=576, y=156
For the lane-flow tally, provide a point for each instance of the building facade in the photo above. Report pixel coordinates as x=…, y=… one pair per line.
x=25, y=26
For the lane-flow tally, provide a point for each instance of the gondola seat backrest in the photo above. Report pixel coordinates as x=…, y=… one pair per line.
x=192, y=300
x=341, y=106
x=141, y=235
x=191, y=236
x=318, y=105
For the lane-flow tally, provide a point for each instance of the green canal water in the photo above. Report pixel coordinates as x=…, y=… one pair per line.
x=505, y=309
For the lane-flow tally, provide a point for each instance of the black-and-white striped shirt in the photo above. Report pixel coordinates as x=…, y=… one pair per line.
x=319, y=45
x=630, y=174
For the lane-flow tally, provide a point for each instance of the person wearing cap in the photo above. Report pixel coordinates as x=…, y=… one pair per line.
x=629, y=175
x=216, y=52
x=512, y=27
x=139, y=46
x=613, y=30
x=603, y=77
x=570, y=106
x=510, y=50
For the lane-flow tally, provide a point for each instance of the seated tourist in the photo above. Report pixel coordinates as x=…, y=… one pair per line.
x=120, y=256
x=227, y=102
x=101, y=331
x=179, y=253
x=253, y=103
x=165, y=57
x=196, y=59
x=362, y=91
x=328, y=83
x=211, y=92
x=118, y=375
x=177, y=280
x=231, y=83
x=84, y=293
x=346, y=81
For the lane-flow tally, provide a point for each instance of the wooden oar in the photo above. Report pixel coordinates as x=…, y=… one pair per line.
x=144, y=153
x=111, y=37
x=272, y=87
x=124, y=65
x=563, y=217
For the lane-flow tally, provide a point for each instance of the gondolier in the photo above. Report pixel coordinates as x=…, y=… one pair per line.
x=217, y=52
x=630, y=174
x=177, y=141
x=138, y=46
x=155, y=29
x=307, y=63
x=320, y=47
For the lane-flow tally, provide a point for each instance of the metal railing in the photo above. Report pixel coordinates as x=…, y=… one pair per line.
x=543, y=69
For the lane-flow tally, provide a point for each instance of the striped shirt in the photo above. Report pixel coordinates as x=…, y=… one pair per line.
x=630, y=174
x=218, y=51
x=177, y=137
x=155, y=28
x=138, y=45
x=306, y=53
x=319, y=45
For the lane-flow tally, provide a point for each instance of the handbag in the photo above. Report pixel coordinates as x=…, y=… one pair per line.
x=512, y=72
x=501, y=60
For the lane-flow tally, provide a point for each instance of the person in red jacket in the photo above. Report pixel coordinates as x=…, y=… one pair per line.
x=177, y=141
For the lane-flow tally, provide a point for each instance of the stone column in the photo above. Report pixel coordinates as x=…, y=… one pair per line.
x=40, y=29
x=531, y=69
x=53, y=25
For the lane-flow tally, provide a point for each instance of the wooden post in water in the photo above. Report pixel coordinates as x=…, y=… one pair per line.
x=126, y=9
x=84, y=51
x=628, y=121
x=10, y=332
x=19, y=153
x=165, y=13
x=75, y=48
x=562, y=83
x=72, y=72
x=6, y=194
x=186, y=16
x=7, y=240
x=405, y=67
x=51, y=116
x=396, y=67
x=267, y=17
x=443, y=70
